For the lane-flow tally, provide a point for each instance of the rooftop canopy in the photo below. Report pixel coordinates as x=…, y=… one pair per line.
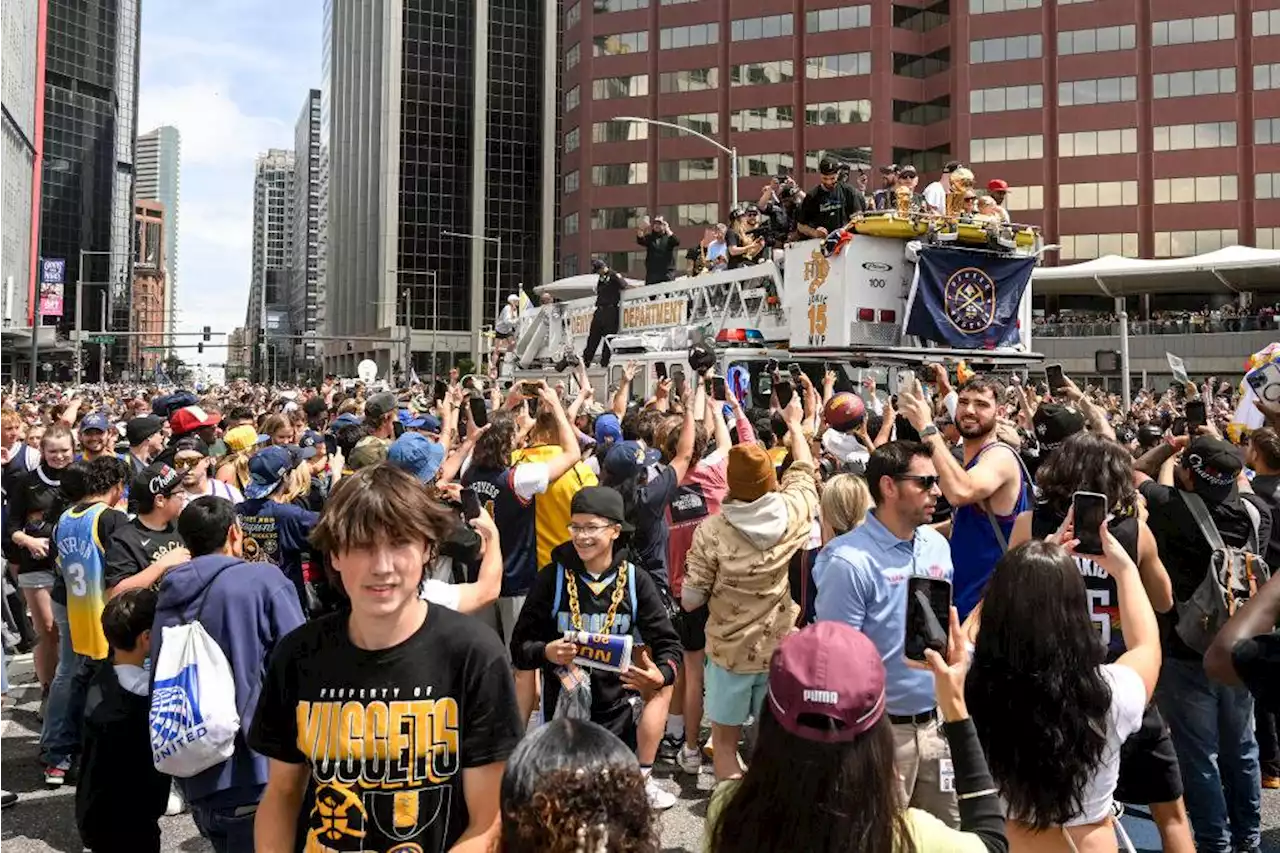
x=1230, y=270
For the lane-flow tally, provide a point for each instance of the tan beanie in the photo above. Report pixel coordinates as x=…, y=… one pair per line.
x=751, y=473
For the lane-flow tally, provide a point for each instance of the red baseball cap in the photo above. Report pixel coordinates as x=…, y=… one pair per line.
x=189, y=419
x=827, y=670
x=997, y=184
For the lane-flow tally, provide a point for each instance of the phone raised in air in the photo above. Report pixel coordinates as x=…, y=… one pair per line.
x=771, y=366
x=795, y=371
x=928, y=616
x=470, y=504
x=660, y=369
x=719, y=390
x=1055, y=376
x=784, y=391
x=1197, y=416
x=479, y=415
x=1089, y=510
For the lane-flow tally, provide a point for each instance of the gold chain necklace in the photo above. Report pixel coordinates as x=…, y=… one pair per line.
x=575, y=611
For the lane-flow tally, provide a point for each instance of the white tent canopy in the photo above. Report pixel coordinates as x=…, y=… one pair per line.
x=1229, y=270
x=576, y=286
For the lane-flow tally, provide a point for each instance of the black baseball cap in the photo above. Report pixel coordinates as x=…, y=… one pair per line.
x=828, y=166
x=158, y=478
x=379, y=405
x=951, y=166
x=891, y=169
x=602, y=501
x=1214, y=465
x=1055, y=423
x=598, y=265
x=140, y=429
x=906, y=170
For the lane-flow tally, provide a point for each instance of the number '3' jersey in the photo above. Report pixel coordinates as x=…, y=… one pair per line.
x=1104, y=604
x=81, y=541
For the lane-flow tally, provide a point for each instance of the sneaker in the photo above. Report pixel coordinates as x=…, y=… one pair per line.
x=55, y=776
x=7, y=798
x=669, y=746
x=659, y=799
x=690, y=760
x=709, y=751
x=176, y=805
x=1272, y=782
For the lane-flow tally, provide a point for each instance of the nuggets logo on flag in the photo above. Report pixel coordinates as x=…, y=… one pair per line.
x=970, y=300
x=955, y=303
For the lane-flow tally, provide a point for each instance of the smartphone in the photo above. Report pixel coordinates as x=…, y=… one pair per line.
x=784, y=391
x=1196, y=416
x=1090, y=510
x=470, y=504
x=529, y=389
x=479, y=415
x=1055, y=377
x=771, y=366
x=928, y=616
x=660, y=369
x=441, y=389
x=718, y=389
x=1178, y=427
x=795, y=371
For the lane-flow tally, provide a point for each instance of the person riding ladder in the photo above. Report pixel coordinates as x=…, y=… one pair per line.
x=831, y=203
x=604, y=322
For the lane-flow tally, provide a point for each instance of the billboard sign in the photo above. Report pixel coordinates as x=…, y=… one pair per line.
x=53, y=274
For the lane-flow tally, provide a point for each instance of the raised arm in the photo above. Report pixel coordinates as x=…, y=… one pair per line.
x=560, y=465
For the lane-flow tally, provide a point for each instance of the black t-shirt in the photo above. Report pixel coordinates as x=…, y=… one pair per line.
x=831, y=208
x=1183, y=548
x=135, y=546
x=734, y=240
x=387, y=733
x=660, y=259
x=609, y=287
x=35, y=503
x=649, y=541
x=1267, y=487
x=1257, y=662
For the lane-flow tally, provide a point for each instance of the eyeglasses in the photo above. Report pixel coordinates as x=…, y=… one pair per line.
x=926, y=481
x=588, y=530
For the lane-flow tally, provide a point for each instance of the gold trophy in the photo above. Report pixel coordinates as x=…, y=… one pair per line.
x=961, y=183
x=902, y=195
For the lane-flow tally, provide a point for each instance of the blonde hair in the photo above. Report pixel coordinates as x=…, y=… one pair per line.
x=239, y=460
x=845, y=502
x=298, y=484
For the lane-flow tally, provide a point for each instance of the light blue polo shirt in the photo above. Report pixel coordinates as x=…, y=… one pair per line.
x=861, y=579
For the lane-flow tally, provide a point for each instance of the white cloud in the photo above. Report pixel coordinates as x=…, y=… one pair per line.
x=215, y=131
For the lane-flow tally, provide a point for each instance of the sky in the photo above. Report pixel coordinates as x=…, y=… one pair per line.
x=232, y=76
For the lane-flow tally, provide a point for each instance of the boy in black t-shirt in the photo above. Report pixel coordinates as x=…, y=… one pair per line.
x=140, y=552
x=387, y=727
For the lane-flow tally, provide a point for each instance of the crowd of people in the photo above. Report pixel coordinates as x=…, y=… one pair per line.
x=459, y=617
x=1224, y=318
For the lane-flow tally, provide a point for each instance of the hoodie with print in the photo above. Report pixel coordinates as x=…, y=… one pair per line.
x=738, y=565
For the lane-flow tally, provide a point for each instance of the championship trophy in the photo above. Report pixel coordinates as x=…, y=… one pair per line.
x=961, y=183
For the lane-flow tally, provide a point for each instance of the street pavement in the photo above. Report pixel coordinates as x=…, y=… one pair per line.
x=44, y=820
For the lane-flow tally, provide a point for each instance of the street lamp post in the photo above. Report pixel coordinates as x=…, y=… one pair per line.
x=80, y=285
x=497, y=288
x=731, y=151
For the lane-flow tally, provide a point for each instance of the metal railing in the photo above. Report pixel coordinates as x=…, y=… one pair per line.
x=1188, y=326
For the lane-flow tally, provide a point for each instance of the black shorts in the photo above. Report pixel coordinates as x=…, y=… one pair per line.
x=1148, y=764
x=691, y=625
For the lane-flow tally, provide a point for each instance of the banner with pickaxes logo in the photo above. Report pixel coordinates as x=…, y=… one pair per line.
x=967, y=300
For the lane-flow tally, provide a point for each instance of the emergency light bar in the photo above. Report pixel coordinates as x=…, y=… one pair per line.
x=740, y=336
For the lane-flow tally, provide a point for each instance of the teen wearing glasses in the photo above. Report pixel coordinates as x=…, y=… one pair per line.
x=591, y=585
x=862, y=581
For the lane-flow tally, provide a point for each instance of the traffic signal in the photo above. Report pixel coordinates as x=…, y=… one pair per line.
x=200, y=347
x=207, y=333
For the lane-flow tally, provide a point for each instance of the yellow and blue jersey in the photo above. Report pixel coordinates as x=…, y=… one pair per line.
x=81, y=560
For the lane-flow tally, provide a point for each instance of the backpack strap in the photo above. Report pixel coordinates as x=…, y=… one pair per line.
x=631, y=591
x=1255, y=525
x=1203, y=520
x=1024, y=477
x=555, y=603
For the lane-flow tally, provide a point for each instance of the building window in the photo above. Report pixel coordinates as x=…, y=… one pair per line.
x=698, y=213
x=1266, y=131
x=693, y=169
x=1027, y=198
x=605, y=218
x=1181, y=137
x=694, y=35
x=572, y=98
x=982, y=7
x=762, y=73
x=571, y=225
x=837, y=65
x=704, y=123
x=1266, y=185
x=1011, y=47
x=572, y=16
x=568, y=266
x=631, y=86
x=1003, y=148
x=1006, y=98
x=843, y=155
x=572, y=56
x=619, y=174
x=911, y=112
x=1189, y=190
x=1267, y=238
x=1266, y=22
x=1108, y=90
x=1100, y=40
x=1182, y=84
x=761, y=165
x=844, y=18
x=1266, y=77
x=620, y=43
x=677, y=2
x=692, y=80
x=1180, y=244
x=770, y=26
x=571, y=140
x=762, y=118
x=1087, y=143
x=630, y=263
x=603, y=6
x=1191, y=30
x=571, y=182
x=619, y=131
x=1080, y=247
x=838, y=112
x=1098, y=194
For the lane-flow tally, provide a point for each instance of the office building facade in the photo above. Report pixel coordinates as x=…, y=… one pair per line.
x=304, y=293
x=149, y=305
x=438, y=121
x=1141, y=129
x=157, y=172
x=90, y=130
x=267, y=315
x=20, y=95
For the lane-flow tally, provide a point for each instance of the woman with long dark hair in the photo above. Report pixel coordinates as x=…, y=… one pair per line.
x=572, y=787
x=822, y=777
x=1051, y=713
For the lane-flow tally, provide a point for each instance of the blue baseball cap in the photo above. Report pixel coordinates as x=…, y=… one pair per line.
x=608, y=429
x=311, y=439
x=270, y=466
x=97, y=421
x=347, y=419
x=628, y=459
x=417, y=454
x=427, y=422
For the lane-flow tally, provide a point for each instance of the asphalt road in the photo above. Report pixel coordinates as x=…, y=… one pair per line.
x=44, y=820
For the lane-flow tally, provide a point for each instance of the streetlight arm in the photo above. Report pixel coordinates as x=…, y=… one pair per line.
x=678, y=127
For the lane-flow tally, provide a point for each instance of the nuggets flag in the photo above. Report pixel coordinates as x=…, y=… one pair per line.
x=967, y=300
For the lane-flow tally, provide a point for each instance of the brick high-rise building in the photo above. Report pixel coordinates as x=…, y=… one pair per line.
x=1138, y=128
x=150, y=299
x=157, y=176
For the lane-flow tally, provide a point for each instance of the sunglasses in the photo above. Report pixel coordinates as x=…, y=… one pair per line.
x=187, y=462
x=926, y=481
